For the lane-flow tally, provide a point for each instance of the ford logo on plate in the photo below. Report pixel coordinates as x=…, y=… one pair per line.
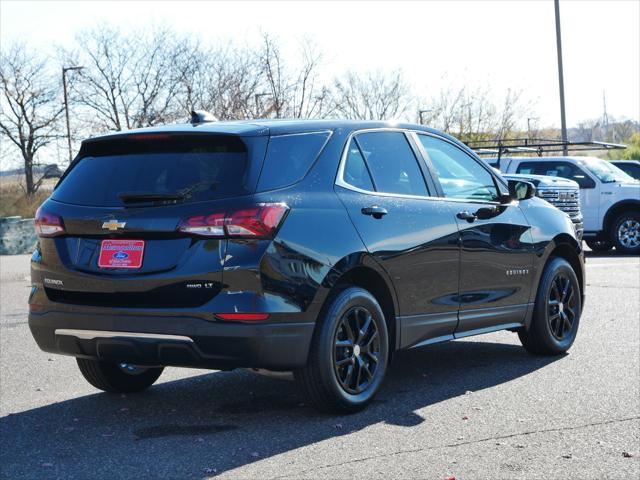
x=120, y=255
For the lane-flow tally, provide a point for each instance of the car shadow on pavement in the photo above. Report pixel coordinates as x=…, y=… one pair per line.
x=211, y=423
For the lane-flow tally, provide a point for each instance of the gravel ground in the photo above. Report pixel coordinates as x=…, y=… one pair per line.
x=475, y=408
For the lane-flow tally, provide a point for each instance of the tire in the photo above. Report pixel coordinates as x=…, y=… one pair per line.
x=349, y=353
x=556, y=314
x=599, y=245
x=625, y=233
x=118, y=378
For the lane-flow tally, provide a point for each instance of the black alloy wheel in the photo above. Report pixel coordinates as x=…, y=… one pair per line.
x=349, y=352
x=556, y=313
x=356, y=350
x=118, y=377
x=561, y=306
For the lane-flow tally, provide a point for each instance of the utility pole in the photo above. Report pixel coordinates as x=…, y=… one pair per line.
x=66, y=106
x=563, y=118
x=420, y=112
x=529, y=126
x=257, y=100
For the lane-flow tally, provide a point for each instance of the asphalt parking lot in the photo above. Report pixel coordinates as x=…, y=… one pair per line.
x=475, y=408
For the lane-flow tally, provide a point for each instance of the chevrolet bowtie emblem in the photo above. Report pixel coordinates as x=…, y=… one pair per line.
x=113, y=225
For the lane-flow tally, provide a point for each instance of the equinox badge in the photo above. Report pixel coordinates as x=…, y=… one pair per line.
x=113, y=225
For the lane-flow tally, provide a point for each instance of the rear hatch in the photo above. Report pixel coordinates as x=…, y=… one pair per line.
x=120, y=205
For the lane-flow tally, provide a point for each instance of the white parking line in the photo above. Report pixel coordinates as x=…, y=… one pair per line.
x=592, y=265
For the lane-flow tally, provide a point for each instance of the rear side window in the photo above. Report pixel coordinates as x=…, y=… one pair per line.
x=289, y=157
x=392, y=164
x=197, y=168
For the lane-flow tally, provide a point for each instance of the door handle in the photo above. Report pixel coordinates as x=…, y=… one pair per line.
x=465, y=215
x=375, y=211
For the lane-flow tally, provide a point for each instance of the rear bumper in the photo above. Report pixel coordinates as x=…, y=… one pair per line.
x=173, y=340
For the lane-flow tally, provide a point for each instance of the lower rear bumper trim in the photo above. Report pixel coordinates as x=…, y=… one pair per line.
x=91, y=334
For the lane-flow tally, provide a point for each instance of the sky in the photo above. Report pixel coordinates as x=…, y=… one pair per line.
x=503, y=44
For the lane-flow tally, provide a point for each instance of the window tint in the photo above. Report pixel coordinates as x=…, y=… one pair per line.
x=392, y=164
x=460, y=175
x=289, y=157
x=556, y=169
x=200, y=168
x=355, y=170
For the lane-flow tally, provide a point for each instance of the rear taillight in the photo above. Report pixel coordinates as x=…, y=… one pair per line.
x=258, y=221
x=48, y=224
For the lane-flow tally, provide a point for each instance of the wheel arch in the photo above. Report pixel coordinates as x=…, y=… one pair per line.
x=615, y=210
x=566, y=247
x=361, y=270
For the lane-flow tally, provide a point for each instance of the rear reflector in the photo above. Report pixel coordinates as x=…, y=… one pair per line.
x=243, y=317
x=258, y=221
x=48, y=224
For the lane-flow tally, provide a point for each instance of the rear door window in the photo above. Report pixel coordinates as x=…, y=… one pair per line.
x=289, y=158
x=392, y=163
x=198, y=168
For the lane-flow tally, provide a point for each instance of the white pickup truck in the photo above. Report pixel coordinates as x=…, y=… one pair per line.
x=609, y=198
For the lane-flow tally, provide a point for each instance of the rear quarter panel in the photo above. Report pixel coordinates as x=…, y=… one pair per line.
x=315, y=245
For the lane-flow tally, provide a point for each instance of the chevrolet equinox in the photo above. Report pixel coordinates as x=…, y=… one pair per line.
x=318, y=247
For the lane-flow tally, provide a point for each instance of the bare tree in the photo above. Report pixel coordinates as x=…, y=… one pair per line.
x=511, y=111
x=233, y=81
x=471, y=114
x=106, y=86
x=30, y=106
x=308, y=98
x=155, y=86
x=128, y=81
x=291, y=89
x=273, y=70
x=372, y=96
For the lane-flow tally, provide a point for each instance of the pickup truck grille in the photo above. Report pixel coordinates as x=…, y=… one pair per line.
x=567, y=200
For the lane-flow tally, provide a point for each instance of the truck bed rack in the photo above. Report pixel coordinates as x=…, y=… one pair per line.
x=538, y=146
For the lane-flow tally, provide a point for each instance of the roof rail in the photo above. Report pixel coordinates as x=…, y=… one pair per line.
x=539, y=146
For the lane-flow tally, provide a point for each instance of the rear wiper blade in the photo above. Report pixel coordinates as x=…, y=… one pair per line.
x=132, y=197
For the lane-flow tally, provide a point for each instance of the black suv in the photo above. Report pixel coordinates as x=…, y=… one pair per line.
x=318, y=247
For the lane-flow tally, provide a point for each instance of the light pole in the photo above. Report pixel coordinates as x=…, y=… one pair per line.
x=529, y=126
x=66, y=106
x=420, y=112
x=563, y=118
x=257, y=99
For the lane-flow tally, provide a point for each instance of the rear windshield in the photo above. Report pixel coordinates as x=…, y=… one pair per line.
x=132, y=170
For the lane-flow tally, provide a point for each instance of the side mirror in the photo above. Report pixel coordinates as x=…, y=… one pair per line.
x=519, y=190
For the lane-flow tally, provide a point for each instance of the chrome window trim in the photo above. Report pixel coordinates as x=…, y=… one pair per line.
x=314, y=132
x=91, y=334
x=341, y=182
